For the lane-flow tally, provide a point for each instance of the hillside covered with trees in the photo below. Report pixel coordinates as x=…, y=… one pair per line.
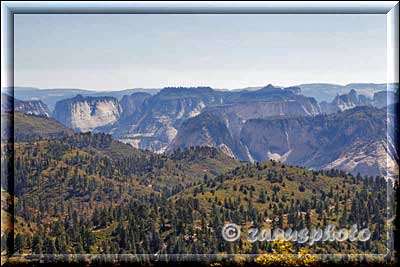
x=84, y=193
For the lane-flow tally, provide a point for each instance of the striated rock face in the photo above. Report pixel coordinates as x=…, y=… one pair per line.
x=317, y=142
x=133, y=104
x=86, y=113
x=153, y=121
x=31, y=107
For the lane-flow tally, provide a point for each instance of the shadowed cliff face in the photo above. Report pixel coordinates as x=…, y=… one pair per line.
x=86, y=113
x=133, y=104
x=155, y=121
x=354, y=140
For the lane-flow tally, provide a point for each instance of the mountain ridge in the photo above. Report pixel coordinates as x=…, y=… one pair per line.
x=321, y=141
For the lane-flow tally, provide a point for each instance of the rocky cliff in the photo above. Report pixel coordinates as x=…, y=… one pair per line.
x=352, y=99
x=31, y=107
x=86, y=113
x=317, y=142
x=153, y=122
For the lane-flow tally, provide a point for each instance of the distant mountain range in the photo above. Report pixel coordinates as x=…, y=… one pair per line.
x=155, y=124
x=320, y=91
x=51, y=96
x=256, y=124
x=327, y=91
x=350, y=100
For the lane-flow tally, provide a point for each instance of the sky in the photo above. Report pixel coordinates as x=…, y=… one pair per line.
x=117, y=51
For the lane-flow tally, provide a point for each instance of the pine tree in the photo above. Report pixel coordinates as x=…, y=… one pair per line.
x=37, y=243
x=49, y=246
x=262, y=197
x=19, y=243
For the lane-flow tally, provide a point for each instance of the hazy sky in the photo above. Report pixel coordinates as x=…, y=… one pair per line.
x=108, y=52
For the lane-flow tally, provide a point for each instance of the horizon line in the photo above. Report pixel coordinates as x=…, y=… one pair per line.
x=187, y=86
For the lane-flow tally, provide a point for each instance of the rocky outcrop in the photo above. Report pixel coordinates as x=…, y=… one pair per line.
x=352, y=99
x=31, y=107
x=86, y=113
x=344, y=102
